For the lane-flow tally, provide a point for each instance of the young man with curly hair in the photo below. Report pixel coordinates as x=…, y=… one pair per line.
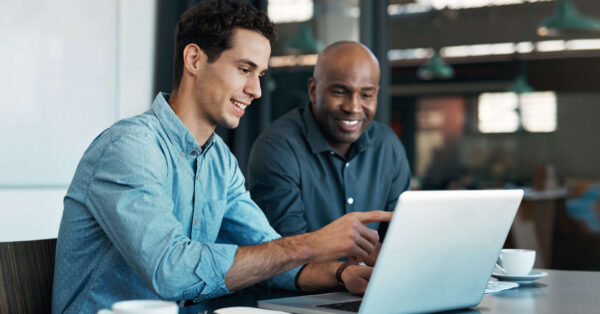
x=157, y=208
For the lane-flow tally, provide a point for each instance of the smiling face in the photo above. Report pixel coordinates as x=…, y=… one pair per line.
x=224, y=88
x=343, y=93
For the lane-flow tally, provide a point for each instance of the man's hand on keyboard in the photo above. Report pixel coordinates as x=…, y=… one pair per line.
x=356, y=278
x=371, y=259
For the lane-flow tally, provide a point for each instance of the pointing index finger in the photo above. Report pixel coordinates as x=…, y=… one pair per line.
x=374, y=216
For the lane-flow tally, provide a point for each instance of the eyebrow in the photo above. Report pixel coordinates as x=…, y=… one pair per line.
x=340, y=86
x=347, y=88
x=251, y=64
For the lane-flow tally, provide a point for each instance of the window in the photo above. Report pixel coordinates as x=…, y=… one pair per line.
x=509, y=112
x=420, y=6
x=286, y=11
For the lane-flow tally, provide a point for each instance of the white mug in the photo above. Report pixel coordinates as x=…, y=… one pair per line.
x=142, y=306
x=515, y=262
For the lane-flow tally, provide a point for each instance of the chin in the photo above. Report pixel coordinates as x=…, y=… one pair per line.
x=230, y=124
x=348, y=139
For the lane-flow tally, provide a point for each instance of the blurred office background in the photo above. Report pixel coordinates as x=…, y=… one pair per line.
x=483, y=94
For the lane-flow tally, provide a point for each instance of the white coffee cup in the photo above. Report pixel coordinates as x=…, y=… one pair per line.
x=142, y=306
x=516, y=262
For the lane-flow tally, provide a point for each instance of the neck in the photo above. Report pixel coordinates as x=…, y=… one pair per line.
x=185, y=108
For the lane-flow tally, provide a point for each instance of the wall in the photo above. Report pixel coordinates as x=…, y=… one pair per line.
x=572, y=149
x=69, y=70
x=576, y=149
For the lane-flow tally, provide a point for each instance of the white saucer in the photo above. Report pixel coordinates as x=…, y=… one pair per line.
x=526, y=279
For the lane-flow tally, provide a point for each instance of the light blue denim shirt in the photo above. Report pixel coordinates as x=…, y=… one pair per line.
x=152, y=215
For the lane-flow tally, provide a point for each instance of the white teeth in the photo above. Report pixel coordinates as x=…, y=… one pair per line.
x=239, y=105
x=350, y=122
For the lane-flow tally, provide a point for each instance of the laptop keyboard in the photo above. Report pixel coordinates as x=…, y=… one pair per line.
x=351, y=306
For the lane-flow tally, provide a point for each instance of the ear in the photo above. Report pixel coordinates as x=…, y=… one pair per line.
x=312, y=89
x=194, y=59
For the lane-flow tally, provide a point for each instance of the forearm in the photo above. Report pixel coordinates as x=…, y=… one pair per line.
x=253, y=264
x=318, y=276
x=347, y=236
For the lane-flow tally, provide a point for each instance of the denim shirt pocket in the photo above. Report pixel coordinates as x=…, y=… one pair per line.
x=207, y=222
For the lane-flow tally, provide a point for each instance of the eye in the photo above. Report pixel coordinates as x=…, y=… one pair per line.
x=337, y=92
x=367, y=96
x=244, y=70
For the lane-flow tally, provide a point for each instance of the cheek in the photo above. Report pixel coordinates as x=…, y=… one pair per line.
x=371, y=108
x=330, y=103
x=221, y=81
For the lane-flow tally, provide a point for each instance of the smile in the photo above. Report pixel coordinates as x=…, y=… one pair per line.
x=239, y=104
x=349, y=125
x=349, y=122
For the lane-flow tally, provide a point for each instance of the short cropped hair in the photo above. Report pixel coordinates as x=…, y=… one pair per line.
x=209, y=24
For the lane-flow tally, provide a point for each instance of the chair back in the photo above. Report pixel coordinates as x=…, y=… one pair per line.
x=26, y=274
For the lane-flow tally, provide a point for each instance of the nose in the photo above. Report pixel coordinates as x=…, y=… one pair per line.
x=253, y=87
x=353, y=104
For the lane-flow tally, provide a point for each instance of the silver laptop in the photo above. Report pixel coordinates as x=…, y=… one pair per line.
x=438, y=255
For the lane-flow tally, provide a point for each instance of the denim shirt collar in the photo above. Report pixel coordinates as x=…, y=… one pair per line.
x=177, y=132
x=317, y=141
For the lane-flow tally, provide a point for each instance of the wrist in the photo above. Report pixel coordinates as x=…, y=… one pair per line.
x=299, y=248
x=340, y=270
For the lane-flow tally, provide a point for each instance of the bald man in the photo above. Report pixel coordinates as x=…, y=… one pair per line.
x=317, y=163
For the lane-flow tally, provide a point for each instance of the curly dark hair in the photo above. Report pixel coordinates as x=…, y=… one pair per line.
x=209, y=24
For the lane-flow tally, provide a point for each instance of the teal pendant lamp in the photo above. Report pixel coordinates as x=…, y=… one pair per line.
x=304, y=42
x=520, y=85
x=435, y=68
x=566, y=18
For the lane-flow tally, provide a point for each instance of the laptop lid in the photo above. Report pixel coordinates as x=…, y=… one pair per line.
x=439, y=252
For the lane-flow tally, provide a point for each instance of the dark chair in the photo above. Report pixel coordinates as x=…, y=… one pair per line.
x=26, y=273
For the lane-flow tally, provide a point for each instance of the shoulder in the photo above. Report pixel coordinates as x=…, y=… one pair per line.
x=143, y=127
x=137, y=140
x=288, y=126
x=128, y=148
x=135, y=131
x=386, y=143
x=381, y=134
x=279, y=147
x=284, y=136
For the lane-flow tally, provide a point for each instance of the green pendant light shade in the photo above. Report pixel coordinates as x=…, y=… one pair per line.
x=304, y=42
x=435, y=68
x=566, y=18
x=520, y=85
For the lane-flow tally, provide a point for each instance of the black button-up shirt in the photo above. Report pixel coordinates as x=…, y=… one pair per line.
x=302, y=184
